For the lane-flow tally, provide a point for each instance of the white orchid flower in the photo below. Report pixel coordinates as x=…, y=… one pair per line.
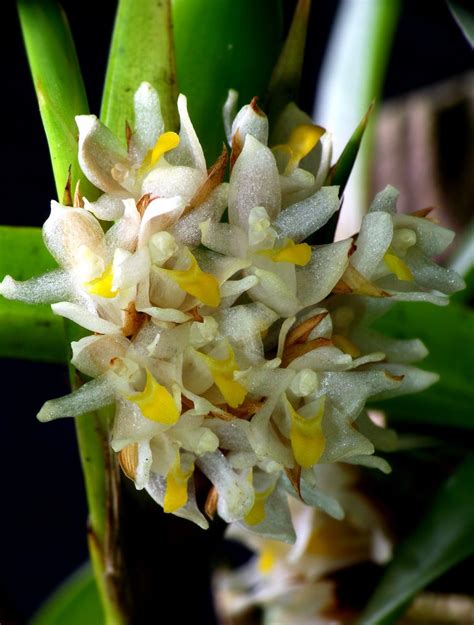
x=234, y=351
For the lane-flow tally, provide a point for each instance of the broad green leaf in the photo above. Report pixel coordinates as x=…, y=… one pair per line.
x=219, y=46
x=444, y=537
x=464, y=16
x=141, y=50
x=285, y=81
x=76, y=602
x=26, y=331
x=352, y=76
x=448, y=333
x=58, y=84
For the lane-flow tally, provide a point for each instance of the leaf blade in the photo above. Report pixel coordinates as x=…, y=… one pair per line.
x=286, y=76
x=464, y=17
x=31, y=332
x=212, y=56
x=448, y=332
x=444, y=537
x=58, y=85
x=75, y=602
x=141, y=50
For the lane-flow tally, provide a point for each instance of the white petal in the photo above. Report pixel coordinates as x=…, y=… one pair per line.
x=224, y=238
x=92, y=354
x=156, y=488
x=68, y=229
x=236, y=494
x=372, y=462
x=99, y=152
x=250, y=120
x=414, y=381
x=373, y=241
x=84, y=318
x=189, y=151
x=88, y=397
x=244, y=324
x=317, y=279
x=148, y=120
x=130, y=426
x=50, y=287
x=131, y=270
x=107, y=207
x=187, y=230
x=277, y=524
x=300, y=220
x=254, y=182
x=432, y=239
x=274, y=292
x=431, y=276
x=160, y=215
x=385, y=200
x=124, y=232
x=166, y=181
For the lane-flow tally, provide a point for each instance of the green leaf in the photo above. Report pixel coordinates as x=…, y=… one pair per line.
x=464, y=16
x=26, y=331
x=351, y=78
x=141, y=50
x=338, y=176
x=219, y=46
x=448, y=333
x=286, y=77
x=75, y=602
x=444, y=537
x=58, y=84
x=61, y=95
x=340, y=172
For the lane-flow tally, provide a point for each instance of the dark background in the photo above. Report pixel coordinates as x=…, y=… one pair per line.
x=43, y=513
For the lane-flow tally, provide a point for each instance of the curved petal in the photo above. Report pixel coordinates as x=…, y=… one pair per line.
x=303, y=218
x=84, y=318
x=50, y=287
x=68, y=229
x=189, y=151
x=149, y=123
x=99, y=153
x=91, y=396
x=254, y=182
x=373, y=241
x=317, y=279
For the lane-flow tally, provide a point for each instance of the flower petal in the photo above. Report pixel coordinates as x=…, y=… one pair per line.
x=254, y=182
x=99, y=153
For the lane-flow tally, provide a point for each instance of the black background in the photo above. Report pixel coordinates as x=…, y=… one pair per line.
x=43, y=513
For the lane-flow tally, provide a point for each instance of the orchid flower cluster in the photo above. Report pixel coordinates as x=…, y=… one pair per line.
x=296, y=583
x=229, y=346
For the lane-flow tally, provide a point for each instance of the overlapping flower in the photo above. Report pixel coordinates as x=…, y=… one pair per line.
x=296, y=583
x=229, y=346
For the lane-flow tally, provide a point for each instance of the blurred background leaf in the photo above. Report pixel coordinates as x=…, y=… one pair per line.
x=75, y=602
x=444, y=537
x=448, y=333
x=463, y=13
